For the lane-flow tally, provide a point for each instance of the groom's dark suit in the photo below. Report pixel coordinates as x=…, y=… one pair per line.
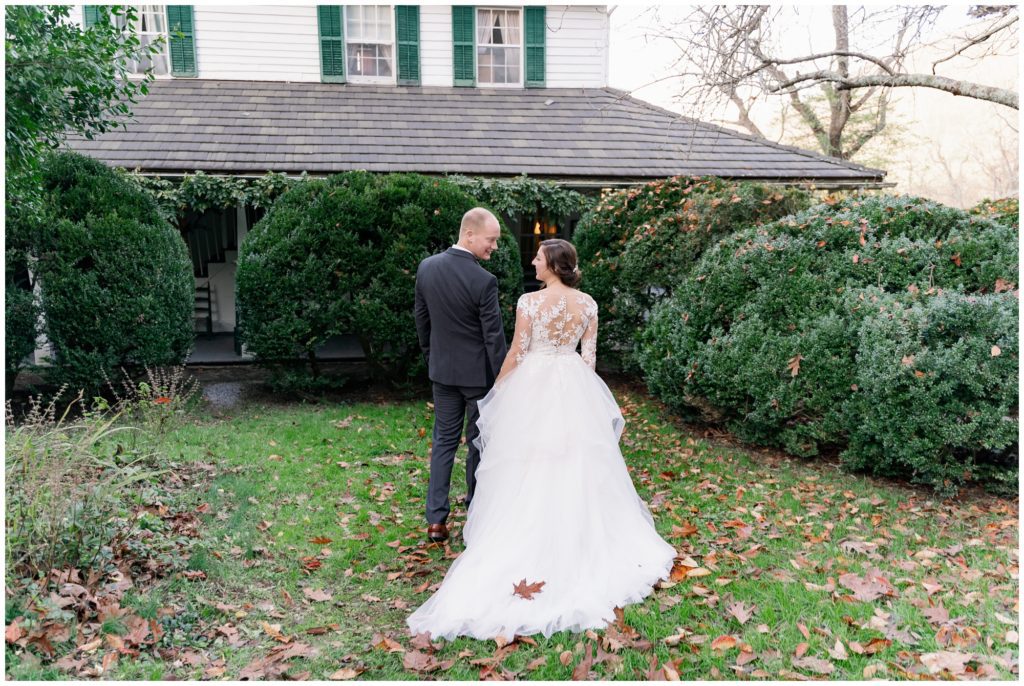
x=458, y=322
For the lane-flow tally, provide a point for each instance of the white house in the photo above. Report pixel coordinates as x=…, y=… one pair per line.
x=488, y=90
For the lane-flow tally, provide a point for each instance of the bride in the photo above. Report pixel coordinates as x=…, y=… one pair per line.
x=556, y=536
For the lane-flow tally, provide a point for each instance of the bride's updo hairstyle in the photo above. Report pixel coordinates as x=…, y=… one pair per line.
x=562, y=260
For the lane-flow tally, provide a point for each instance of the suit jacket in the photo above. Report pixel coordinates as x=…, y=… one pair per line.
x=458, y=320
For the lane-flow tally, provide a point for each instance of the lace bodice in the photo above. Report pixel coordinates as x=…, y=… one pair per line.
x=556, y=322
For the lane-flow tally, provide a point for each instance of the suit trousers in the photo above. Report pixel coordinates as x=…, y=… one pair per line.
x=452, y=406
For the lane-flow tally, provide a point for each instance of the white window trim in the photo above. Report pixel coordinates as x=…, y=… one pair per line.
x=522, y=49
x=374, y=80
x=167, y=48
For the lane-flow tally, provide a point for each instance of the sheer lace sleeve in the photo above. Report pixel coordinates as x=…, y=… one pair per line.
x=588, y=343
x=525, y=312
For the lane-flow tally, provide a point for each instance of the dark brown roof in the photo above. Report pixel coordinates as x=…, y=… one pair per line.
x=595, y=134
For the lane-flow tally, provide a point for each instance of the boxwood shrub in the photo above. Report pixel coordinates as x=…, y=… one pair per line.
x=339, y=256
x=764, y=336
x=637, y=244
x=116, y=280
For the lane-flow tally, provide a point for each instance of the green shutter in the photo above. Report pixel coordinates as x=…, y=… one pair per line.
x=535, y=57
x=182, y=34
x=332, y=43
x=407, y=32
x=464, y=45
x=90, y=15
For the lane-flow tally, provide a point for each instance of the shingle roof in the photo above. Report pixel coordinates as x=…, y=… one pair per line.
x=185, y=125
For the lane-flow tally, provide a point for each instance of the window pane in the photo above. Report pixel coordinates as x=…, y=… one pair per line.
x=354, y=22
x=369, y=59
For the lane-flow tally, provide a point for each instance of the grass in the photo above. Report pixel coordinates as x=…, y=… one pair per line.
x=315, y=521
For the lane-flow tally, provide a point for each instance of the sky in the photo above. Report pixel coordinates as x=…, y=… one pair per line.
x=952, y=149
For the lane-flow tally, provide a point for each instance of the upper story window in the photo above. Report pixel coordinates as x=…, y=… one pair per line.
x=369, y=43
x=499, y=47
x=150, y=26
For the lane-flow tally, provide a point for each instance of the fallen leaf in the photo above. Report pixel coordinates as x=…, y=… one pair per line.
x=944, y=660
x=565, y=658
x=387, y=643
x=936, y=615
x=320, y=540
x=421, y=641
x=14, y=631
x=534, y=664
x=740, y=611
x=876, y=645
x=582, y=670
x=317, y=595
x=867, y=588
x=274, y=631
x=794, y=363
x=527, y=591
x=839, y=651
x=320, y=630
x=346, y=674
x=745, y=657
x=420, y=662
x=725, y=642
x=814, y=664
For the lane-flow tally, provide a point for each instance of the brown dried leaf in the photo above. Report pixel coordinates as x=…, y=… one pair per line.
x=945, y=660
x=794, y=364
x=317, y=595
x=839, y=651
x=814, y=664
x=582, y=670
x=527, y=591
x=419, y=662
x=421, y=641
x=740, y=611
x=381, y=642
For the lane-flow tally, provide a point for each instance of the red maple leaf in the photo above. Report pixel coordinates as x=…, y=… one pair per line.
x=525, y=590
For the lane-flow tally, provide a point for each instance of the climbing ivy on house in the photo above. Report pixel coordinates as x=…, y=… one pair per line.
x=524, y=196
x=200, y=191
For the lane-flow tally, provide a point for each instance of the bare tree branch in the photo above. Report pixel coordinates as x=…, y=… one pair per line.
x=731, y=54
x=971, y=42
x=1001, y=96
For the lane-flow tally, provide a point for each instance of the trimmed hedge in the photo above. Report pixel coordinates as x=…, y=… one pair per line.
x=116, y=279
x=936, y=388
x=637, y=244
x=764, y=336
x=339, y=255
x=1005, y=210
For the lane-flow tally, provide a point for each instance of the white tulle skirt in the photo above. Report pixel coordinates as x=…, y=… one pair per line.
x=554, y=503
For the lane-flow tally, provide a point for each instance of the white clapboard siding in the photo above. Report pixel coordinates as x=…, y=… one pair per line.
x=76, y=15
x=577, y=46
x=281, y=43
x=436, y=45
x=257, y=42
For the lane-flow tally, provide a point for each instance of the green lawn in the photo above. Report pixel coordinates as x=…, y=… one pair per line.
x=313, y=553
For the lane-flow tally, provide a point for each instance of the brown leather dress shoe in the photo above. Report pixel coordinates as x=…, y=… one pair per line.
x=438, y=533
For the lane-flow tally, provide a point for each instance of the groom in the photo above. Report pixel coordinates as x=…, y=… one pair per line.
x=458, y=323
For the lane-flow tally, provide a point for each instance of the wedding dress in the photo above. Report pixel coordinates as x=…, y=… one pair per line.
x=554, y=502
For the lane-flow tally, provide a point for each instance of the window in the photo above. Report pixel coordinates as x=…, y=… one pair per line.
x=150, y=26
x=369, y=43
x=499, y=47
